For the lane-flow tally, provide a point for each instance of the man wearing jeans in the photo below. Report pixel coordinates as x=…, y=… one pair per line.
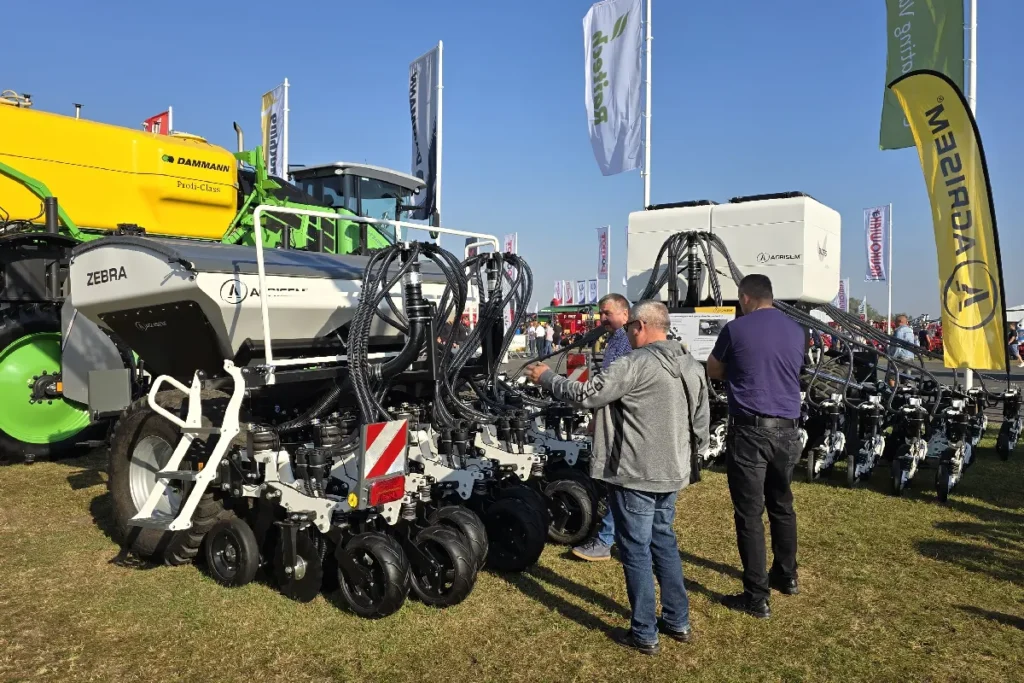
x=759, y=355
x=652, y=411
x=614, y=309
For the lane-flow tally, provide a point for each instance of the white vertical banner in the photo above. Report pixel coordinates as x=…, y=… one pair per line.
x=877, y=224
x=511, y=246
x=581, y=291
x=842, y=300
x=274, y=124
x=592, y=293
x=570, y=292
x=425, y=113
x=612, y=44
x=862, y=308
x=559, y=293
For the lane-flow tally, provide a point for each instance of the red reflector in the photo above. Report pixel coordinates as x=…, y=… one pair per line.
x=387, y=490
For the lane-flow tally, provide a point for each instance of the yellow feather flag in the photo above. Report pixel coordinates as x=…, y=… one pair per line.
x=970, y=272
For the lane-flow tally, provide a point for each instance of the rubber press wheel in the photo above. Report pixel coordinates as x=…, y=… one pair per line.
x=383, y=589
x=516, y=534
x=232, y=553
x=1003, y=442
x=469, y=526
x=572, y=511
x=35, y=422
x=453, y=573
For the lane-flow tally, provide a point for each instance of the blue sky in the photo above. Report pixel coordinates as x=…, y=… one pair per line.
x=749, y=97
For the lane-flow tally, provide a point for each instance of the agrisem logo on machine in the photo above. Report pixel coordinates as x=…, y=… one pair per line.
x=234, y=291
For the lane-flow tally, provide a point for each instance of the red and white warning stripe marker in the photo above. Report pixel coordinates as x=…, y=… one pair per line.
x=580, y=374
x=385, y=445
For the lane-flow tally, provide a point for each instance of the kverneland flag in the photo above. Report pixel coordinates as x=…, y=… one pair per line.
x=570, y=292
x=876, y=234
x=581, y=291
x=559, y=293
x=602, y=252
x=161, y=123
x=612, y=42
x=966, y=239
x=274, y=123
x=592, y=295
x=920, y=34
x=423, y=112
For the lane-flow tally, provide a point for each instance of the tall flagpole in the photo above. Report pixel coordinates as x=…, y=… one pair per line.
x=972, y=100
x=888, y=275
x=286, y=174
x=440, y=129
x=646, y=172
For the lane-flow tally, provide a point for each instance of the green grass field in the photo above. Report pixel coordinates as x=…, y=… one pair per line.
x=893, y=590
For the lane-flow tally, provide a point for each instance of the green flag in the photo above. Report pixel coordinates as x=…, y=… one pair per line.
x=920, y=34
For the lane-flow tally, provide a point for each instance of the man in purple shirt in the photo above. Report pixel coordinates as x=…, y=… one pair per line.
x=614, y=310
x=759, y=356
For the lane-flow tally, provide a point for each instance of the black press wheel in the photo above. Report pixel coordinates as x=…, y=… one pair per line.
x=812, y=460
x=896, y=475
x=451, y=573
x=516, y=534
x=942, y=480
x=301, y=582
x=232, y=553
x=532, y=499
x=851, y=470
x=469, y=525
x=380, y=587
x=572, y=511
x=1003, y=442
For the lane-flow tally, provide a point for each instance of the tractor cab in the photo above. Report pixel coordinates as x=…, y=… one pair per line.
x=370, y=191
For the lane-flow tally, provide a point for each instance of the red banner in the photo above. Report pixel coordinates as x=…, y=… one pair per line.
x=161, y=123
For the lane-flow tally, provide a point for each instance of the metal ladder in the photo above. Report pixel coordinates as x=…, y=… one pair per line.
x=191, y=427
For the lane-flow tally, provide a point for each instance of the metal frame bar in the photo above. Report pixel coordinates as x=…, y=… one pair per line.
x=262, y=271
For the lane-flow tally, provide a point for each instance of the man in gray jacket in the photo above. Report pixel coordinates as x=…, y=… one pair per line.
x=652, y=418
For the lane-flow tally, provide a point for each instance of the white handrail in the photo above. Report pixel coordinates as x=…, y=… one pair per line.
x=261, y=270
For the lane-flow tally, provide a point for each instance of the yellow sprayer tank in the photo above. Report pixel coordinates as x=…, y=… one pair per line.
x=105, y=175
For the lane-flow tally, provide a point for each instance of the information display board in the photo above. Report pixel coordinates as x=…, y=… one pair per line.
x=698, y=328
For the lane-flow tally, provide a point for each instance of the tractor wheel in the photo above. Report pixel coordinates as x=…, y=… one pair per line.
x=572, y=511
x=455, y=573
x=232, y=553
x=469, y=525
x=35, y=421
x=851, y=470
x=382, y=590
x=516, y=534
x=142, y=443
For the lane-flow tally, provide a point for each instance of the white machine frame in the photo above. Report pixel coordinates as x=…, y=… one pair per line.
x=270, y=362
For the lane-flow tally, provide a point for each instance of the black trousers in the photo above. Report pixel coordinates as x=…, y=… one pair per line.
x=760, y=464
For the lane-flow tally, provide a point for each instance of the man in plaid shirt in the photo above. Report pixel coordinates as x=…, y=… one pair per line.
x=614, y=310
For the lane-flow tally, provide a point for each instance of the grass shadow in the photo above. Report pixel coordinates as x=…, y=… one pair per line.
x=532, y=588
x=1004, y=619
x=710, y=565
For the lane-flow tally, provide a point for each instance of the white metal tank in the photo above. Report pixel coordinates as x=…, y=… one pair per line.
x=791, y=238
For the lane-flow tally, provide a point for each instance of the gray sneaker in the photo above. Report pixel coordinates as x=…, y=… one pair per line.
x=593, y=551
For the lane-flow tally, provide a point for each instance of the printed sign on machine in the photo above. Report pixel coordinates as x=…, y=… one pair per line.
x=698, y=328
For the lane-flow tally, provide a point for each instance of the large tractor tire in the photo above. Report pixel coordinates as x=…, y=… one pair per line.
x=142, y=443
x=34, y=423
